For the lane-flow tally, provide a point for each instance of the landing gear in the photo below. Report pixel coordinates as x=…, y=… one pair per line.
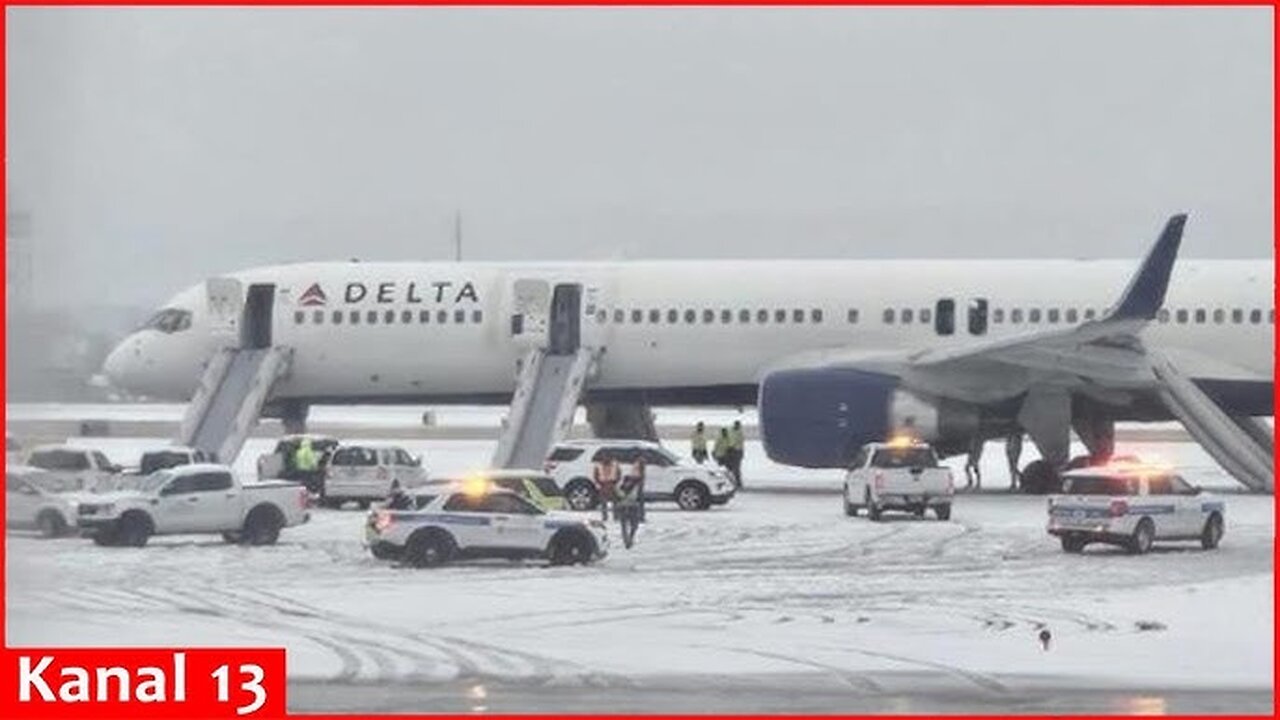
x=1013, y=453
x=622, y=421
x=1040, y=478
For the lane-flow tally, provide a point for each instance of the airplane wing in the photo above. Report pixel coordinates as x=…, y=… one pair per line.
x=1103, y=360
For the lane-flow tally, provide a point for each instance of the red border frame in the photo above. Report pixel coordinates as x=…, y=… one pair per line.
x=642, y=3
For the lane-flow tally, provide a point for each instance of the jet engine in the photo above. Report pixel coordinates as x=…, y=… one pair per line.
x=818, y=417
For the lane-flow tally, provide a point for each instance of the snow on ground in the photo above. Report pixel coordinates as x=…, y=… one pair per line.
x=775, y=584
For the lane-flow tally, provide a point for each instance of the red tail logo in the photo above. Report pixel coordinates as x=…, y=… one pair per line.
x=313, y=296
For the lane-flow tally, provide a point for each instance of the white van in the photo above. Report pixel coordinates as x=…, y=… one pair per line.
x=364, y=473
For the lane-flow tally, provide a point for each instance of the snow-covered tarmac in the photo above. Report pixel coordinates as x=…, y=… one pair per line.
x=775, y=602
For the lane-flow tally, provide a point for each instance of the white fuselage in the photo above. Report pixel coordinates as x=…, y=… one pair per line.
x=708, y=335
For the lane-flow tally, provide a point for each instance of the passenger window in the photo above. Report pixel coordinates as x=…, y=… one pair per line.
x=1163, y=315
x=1200, y=316
x=1271, y=316
x=371, y=317
x=1182, y=317
x=637, y=317
x=655, y=316
x=691, y=316
x=299, y=317
x=180, y=486
x=619, y=316
x=477, y=316
x=442, y=317
x=908, y=316
x=424, y=316
x=1015, y=316
x=926, y=316
x=406, y=316
x=1218, y=316
x=1159, y=486
x=762, y=316
x=602, y=316
x=780, y=316
x=997, y=316
x=1255, y=316
x=212, y=482
x=460, y=316
x=355, y=317
x=708, y=316
x=815, y=315
x=1072, y=316
x=673, y=316
x=336, y=317
x=1033, y=315
x=726, y=317
x=852, y=317
x=744, y=316
x=1089, y=314
x=1237, y=316
x=1181, y=486
x=655, y=458
x=797, y=316
x=888, y=316
x=1054, y=316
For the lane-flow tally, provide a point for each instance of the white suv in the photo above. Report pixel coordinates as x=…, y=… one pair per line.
x=667, y=476
x=364, y=473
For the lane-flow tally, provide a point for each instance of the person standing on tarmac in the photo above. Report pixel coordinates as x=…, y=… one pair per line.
x=737, y=448
x=398, y=499
x=720, y=450
x=698, y=443
x=606, y=477
x=630, y=503
x=304, y=458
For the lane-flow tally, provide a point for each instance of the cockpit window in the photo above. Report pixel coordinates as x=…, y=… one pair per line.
x=169, y=320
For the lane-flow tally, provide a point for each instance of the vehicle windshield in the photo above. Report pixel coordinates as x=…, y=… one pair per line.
x=1099, y=485
x=168, y=320
x=146, y=483
x=59, y=460
x=907, y=457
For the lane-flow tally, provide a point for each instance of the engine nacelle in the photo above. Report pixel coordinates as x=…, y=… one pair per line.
x=818, y=417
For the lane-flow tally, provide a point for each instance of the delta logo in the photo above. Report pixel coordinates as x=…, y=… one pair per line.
x=313, y=296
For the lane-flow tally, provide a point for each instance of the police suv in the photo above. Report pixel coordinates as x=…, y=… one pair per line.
x=1133, y=506
x=479, y=519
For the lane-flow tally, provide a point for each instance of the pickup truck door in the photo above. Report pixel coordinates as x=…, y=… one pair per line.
x=201, y=502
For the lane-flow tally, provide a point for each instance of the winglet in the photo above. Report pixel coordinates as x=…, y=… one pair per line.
x=1146, y=291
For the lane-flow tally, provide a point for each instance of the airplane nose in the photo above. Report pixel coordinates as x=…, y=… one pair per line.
x=120, y=367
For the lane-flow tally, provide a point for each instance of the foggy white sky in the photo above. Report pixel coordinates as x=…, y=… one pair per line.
x=157, y=147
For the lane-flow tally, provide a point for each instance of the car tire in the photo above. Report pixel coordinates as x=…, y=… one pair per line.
x=581, y=494
x=133, y=530
x=571, y=548
x=51, y=524
x=1072, y=545
x=262, y=526
x=943, y=512
x=231, y=537
x=1212, y=533
x=104, y=538
x=1144, y=536
x=850, y=509
x=692, y=495
x=429, y=548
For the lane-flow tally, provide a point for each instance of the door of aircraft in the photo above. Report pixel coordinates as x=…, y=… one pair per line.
x=566, y=319
x=255, y=330
x=530, y=312
x=973, y=320
x=224, y=299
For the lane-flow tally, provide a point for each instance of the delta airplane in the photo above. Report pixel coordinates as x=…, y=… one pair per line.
x=835, y=353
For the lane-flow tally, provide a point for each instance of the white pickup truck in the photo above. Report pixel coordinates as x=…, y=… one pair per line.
x=90, y=469
x=192, y=499
x=898, y=476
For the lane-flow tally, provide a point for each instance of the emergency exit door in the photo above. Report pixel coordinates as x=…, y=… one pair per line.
x=255, y=329
x=566, y=320
x=975, y=316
